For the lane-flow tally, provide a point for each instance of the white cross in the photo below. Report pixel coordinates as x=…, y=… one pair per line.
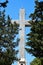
x=22, y=23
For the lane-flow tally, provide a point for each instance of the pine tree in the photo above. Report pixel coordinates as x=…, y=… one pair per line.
x=4, y=4
x=36, y=61
x=8, y=32
x=35, y=37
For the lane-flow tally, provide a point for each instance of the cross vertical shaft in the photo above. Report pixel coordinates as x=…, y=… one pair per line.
x=22, y=33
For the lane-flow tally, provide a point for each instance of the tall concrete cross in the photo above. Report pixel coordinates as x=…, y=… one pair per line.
x=22, y=23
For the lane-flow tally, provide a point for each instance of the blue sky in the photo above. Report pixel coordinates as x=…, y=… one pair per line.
x=13, y=10
x=15, y=5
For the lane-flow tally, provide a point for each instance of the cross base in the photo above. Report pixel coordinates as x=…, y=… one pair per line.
x=22, y=61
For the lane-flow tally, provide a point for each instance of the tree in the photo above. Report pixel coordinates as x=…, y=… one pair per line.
x=8, y=32
x=36, y=61
x=4, y=4
x=35, y=37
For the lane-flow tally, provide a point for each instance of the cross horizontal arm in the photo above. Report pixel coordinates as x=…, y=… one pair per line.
x=17, y=21
x=27, y=24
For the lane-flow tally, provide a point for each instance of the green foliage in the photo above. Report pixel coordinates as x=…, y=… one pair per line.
x=36, y=61
x=35, y=37
x=4, y=4
x=8, y=32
